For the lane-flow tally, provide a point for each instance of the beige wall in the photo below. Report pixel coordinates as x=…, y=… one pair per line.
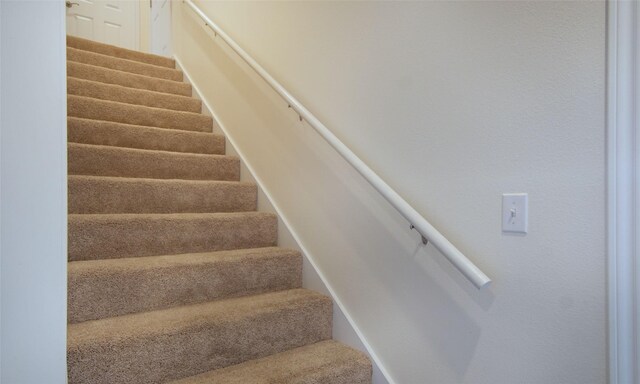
x=453, y=103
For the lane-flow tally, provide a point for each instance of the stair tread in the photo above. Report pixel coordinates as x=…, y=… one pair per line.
x=172, y=343
x=151, y=151
x=159, y=182
x=107, y=194
x=112, y=50
x=162, y=216
x=121, y=235
x=102, y=160
x=130, y=265
x=107, y=110
x=312, y=364
x=106, y=288
x=151, y=323
x=122, y=64
x=145, y=97
x=111, y=133
x=126, y=79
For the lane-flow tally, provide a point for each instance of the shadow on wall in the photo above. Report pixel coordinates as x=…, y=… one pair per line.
x=354, y=232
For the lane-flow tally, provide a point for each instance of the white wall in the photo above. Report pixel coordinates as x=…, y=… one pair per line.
x=33, y=203
x=453, y=103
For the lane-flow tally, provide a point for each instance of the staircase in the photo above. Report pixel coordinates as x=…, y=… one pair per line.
x=173, y=274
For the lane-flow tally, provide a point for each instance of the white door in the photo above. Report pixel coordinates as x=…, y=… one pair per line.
x=160, y=24
x=107, y=21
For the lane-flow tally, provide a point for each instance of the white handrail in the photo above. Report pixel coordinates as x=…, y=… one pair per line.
x=417, y=222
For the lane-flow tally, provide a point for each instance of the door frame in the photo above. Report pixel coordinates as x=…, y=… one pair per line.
x=136, y=26
x=150, y=28
x=623, y=190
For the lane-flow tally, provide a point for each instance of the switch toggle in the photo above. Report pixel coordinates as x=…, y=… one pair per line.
x=514, y=212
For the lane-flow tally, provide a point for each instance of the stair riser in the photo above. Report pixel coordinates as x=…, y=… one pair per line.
x=103, y=91
x=93, y=237
x=125, y=79
x=184, y=352
x=90, y=108
x=112, y=161
x=100, y=289
x=323, y=362
x=86, y=131
x=118, y=64
x=118, y=195
x=105, y=49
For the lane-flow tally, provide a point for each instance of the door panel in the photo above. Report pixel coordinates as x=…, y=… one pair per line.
x=112, y=33
x=82, y=27
x=107, y=21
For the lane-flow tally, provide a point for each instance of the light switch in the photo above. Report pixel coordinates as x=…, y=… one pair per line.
x=514, y=212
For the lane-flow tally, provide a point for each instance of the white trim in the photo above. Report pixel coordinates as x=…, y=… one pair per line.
x=1, y=194
x=623, y=210
x=290, y=228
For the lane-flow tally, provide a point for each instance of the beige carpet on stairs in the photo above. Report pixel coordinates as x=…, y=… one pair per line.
x=173, y=274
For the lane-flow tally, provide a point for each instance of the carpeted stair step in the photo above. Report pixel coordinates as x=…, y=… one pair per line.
x=90, y=108
x=172, y=274
x=104, y=91
x=320, y=363
x=111, y=50
x=100, y=160
x=106, y=288
x=112, y=236
x=126, y=79
x=125, y=65
x=97, y=132
x=99, y=194
x=154, y=347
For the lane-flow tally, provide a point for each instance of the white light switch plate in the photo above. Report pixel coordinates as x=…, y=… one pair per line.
x=515, y=212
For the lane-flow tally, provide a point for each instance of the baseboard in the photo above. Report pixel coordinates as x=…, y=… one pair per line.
x=345, y=328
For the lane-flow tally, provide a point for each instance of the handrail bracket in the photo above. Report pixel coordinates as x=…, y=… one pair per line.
x=425, y=241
